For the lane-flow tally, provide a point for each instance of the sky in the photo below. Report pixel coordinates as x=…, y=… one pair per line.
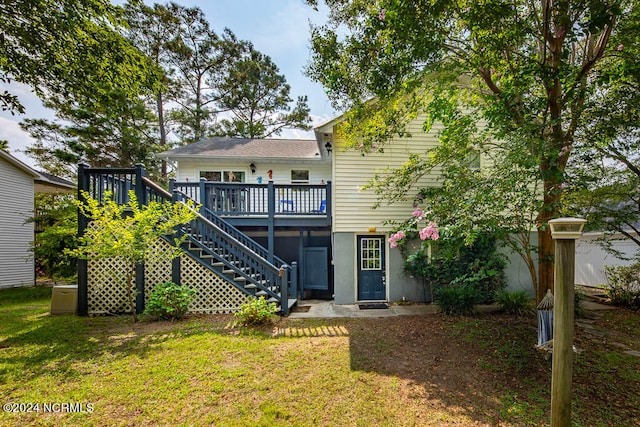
x=278, y=28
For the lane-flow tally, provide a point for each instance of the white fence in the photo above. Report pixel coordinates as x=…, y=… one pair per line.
x=591, y=257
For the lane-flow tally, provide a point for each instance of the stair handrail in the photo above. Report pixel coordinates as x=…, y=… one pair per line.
x=155, y=187
x=235, y=232
x=269, y=268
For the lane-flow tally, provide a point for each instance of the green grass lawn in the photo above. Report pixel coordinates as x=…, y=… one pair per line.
x=409, y=371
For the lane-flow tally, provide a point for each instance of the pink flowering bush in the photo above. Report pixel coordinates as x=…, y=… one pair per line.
x=430, y=232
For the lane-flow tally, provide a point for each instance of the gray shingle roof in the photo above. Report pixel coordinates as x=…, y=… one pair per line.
x=247, y=148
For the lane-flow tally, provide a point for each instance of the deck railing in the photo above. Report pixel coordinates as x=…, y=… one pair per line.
x=241, y=199
x=222, y=242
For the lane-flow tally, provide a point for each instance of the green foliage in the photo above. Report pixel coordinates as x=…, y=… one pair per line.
x=510, y=78
x=169, y=301
x=624, y=285
x=578, y=308
x=456, y=300
x=58, y=216
x=517, y=302
x=205, y=73
x=130, y=232
x=61, y=48
x=105, y=130
x=256, y=311
x=452, y=262
x=253, y=87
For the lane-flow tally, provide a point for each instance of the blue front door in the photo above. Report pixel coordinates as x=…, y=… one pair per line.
x=371, y=272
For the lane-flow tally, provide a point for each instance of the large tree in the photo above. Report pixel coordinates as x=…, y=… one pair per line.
x=605, y=173
x=55, y=47
x=197, y=59
x=106, y=130
x=526, y=67
x=257, y=97
x=154, y=30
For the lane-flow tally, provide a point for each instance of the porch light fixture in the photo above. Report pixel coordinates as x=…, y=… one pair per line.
x=252, y=166
x=328, y=146
x=567, y=228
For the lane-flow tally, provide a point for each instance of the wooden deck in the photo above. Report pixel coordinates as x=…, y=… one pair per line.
x=256, y=204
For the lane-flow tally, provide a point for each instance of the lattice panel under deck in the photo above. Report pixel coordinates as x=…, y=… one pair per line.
x=157, y=268
x=213, y=294
x=107, y=290
x=106, y=286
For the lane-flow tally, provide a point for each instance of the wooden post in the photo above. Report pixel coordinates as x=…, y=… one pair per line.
x=176, y=276
x=294, y=280
x=284, y=290
x=141, y=195
x=562, y=369
x=271, y=212
x=203, y=193
x=83, y=286
x=329, y=203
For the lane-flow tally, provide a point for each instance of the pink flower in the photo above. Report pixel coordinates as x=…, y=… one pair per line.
x=382, y=14
x=620, y=47
x=564, y=150
x=417, y=213
x=393, y=240
x=430, y=232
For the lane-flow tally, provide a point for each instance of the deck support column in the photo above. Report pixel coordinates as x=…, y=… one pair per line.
x=83, y=294
x=271, y=211
x=141, y=195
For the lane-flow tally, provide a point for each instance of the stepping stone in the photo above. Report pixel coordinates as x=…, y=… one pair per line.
x=633, y=353
x=620, y=345
x=596, y=333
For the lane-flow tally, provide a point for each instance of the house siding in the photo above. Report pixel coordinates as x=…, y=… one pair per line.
x=353, y=207
x=354, y=215
x=189, y=170
x=16, y=199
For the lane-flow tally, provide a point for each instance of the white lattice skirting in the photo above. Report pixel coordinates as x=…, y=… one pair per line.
x=106, y=283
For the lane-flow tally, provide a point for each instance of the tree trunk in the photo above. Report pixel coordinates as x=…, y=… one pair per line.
x=545, y=262
x=163, y=133
x=549, y=210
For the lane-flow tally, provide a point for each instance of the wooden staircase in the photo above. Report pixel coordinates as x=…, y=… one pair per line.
x=210, y=240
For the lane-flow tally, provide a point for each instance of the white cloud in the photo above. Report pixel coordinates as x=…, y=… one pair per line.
x=305, y=134
x=19, y=140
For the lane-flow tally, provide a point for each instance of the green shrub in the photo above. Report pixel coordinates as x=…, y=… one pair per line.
x=256, y=312
x=457, y=300
x=624, y=285
x=452, y=262
x=169, y=301
x=578, y=308
x=518, y=302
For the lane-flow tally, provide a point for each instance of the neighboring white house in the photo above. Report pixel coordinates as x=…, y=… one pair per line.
x=20, y=183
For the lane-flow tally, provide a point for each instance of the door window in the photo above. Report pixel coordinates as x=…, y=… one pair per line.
x=371, y=253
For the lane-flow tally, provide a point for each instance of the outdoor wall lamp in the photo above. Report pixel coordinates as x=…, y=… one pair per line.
x=567, y=228
x=252, y=166
x=328, y=146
